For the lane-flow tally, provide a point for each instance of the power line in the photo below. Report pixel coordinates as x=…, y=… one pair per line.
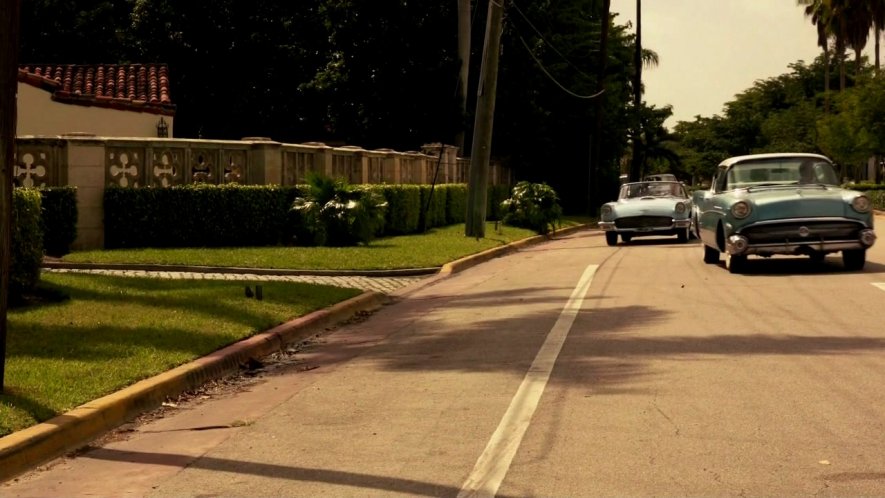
x=541, y=36
x=544, y=70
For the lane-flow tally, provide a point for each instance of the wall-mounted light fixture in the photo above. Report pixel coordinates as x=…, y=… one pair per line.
x=162, y=128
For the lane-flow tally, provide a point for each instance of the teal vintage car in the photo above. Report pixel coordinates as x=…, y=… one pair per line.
x=647, y=208
x=791, y=203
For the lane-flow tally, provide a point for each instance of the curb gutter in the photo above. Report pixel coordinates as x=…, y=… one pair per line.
x=25, y=450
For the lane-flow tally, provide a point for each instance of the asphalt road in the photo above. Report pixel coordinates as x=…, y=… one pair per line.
x=567, y=369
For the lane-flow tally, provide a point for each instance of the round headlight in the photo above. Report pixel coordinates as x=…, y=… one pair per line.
x=606, y=210
x=861, y=204
x=680, y=207
x=740, y=209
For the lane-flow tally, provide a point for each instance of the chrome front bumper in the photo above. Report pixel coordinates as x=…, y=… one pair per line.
x=738, y=245
x=610, y=225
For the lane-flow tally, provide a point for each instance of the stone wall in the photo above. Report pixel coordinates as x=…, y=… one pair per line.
x=93, y=163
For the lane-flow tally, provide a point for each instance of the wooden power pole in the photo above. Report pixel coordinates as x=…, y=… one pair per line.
x=9, y=26
x=481, y=149
x=464, y=73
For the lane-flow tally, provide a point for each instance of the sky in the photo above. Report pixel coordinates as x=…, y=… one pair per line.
x=711, y=50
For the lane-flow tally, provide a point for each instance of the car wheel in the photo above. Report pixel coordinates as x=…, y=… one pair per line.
x=735, y=263
x=711, y=255
x=683, y=235
x=626, y=237
x=854, y=259
x=611, y=238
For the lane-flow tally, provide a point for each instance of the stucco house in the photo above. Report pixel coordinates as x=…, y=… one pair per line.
x=105, y=100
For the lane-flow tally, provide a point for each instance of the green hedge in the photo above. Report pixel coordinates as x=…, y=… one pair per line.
x=238, y=215
x=27, y=241
x=198, y=216
x=59, y=219
x=456, y=203
x=403, y=208
x=433, y=207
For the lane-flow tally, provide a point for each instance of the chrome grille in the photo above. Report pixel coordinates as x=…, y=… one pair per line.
x=644, y=222
x=789, y=231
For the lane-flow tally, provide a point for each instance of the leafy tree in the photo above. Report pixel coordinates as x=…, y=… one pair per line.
x=81, y=31
x=236, y=67
x=543, y=126
x=371, y=73
x=654, y=141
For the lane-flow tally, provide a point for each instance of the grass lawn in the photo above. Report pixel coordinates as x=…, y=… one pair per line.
x=435, y=248
x=114, y=331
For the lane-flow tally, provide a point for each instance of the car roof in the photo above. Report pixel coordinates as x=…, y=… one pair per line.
x=739, y=159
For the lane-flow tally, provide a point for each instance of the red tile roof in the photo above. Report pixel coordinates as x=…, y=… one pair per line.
x=137, y=87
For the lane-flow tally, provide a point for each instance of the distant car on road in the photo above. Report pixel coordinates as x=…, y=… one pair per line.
x=647, y=208
x=790, y=203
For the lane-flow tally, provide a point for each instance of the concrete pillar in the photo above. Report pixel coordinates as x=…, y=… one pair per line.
x=266, y=162
x=86, y=171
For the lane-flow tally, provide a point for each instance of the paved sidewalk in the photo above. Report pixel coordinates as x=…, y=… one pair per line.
x=382, y=284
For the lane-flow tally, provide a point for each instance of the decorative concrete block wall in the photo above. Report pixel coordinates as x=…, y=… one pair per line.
x=94, y=163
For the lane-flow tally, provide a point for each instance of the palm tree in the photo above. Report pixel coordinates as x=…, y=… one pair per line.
x=858, y=22
x=838, y=20
x=819, y=13
x=877, y=10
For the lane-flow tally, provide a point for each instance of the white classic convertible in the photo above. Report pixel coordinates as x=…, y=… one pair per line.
x=647, y=208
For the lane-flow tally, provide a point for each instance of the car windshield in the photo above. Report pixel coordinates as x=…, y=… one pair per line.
x=664, y=177
x=639, y=190
x=781, y=171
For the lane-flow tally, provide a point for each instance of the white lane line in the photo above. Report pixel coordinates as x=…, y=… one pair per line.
x=493, y=464
x=880, y=285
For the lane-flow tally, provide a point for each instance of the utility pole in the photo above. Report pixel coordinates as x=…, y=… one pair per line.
x=481, y=149
x=9, y=24
x=463, y=74
x=636, y=164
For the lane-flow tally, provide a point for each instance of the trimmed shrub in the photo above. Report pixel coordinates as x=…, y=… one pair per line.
x=433, y=207
x=198, y=216
x=27, y=241
x=257, y=215
x=403, y=208
x=59, y=219
x=456, y=202
x=534, y=206
x=335, y=214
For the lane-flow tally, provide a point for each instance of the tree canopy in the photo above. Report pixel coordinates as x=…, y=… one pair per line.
x=381, y=73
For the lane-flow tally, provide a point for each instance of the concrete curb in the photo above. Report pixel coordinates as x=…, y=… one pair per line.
x=26, y=449
x=495, y=252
